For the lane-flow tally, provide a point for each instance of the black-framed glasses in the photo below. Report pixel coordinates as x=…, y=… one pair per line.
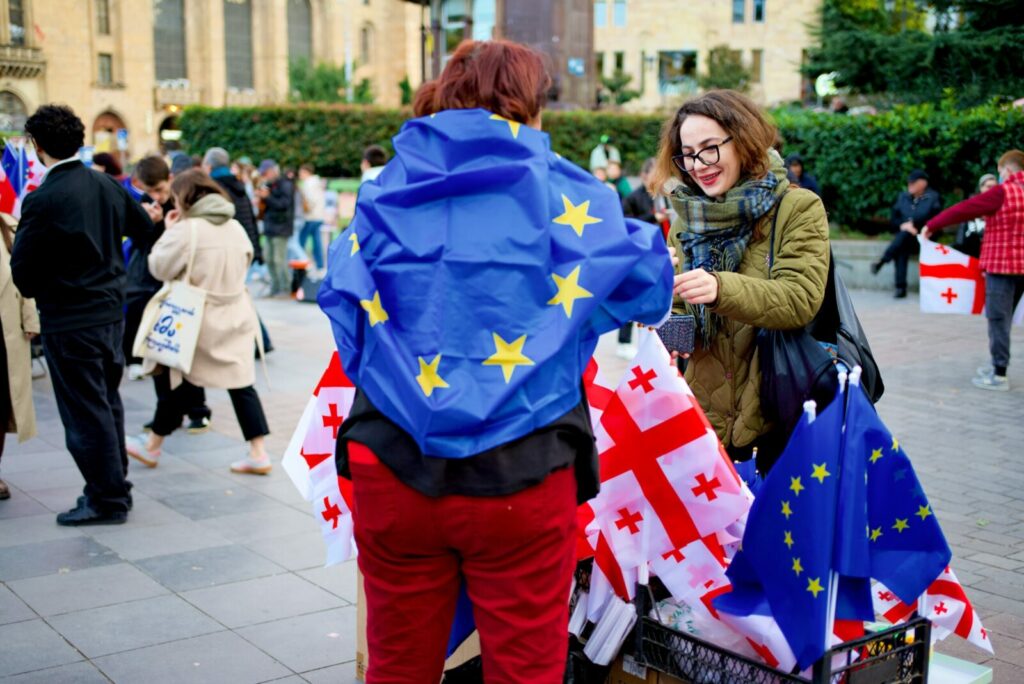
x=708, y=156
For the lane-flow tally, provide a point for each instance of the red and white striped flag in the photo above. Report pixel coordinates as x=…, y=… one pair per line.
x=951, y=281
x=309, y=461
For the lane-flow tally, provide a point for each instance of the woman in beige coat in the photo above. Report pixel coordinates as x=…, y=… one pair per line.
x=223, y=357
x=20, y=324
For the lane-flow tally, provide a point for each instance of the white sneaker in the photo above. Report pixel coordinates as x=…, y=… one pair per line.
x=135, y=372
x=996, y=383
x=986, y=370
x=136, y=448
x=625, y=351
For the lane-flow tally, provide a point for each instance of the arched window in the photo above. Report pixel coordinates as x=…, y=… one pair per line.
x=366, y=44
x=238, y=42
x=13, y=112
x=169, y=39
x=300, y=31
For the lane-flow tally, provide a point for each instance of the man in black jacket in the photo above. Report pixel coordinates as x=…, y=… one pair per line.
x=278, y=197
x=910, y=213
x=67, y=255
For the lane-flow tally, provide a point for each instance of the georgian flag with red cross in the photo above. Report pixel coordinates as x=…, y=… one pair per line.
x=309, y=461
x=945, y=603
x=951, y=281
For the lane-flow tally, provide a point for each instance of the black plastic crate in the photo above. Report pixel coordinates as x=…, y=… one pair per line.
x=898, y=655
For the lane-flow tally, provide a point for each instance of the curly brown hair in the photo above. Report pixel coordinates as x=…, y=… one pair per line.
x=752, y=136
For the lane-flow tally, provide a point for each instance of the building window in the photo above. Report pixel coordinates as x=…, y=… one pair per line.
x=16, y=20
x=453, y=24
x=485, y=16
x=366, y=44
x=169, y=39
x=677, y=72
x=600, y=13
x=238, y=43
x=756, y=65
x=106, y=69
x=13, y=112
x=103, y=17
x=619, y=13
x=620, y=61
x=759, y=11
x=739, y=10
x=599, y=64
x=300, y=31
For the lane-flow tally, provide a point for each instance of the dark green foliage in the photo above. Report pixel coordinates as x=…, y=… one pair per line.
x=616, y=88
x=324, y=83
x=406, y=89
x=725, y=70
x=860, y=161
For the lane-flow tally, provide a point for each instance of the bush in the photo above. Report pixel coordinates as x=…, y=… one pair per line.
x=861, y=161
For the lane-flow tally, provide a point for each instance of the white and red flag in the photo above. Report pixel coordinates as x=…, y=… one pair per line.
x=945, y=603
x=951, y=281
x=309, y=461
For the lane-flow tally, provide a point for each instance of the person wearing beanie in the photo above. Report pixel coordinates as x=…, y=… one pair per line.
x=911, y=211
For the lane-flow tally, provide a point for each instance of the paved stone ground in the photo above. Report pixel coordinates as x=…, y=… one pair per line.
x=217, y=577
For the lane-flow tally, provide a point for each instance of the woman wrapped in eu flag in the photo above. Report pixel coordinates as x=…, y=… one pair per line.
x=466, y=299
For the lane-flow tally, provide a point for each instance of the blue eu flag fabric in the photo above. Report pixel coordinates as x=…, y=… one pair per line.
x=891, y=533
x=786, y=554
x=469, y=291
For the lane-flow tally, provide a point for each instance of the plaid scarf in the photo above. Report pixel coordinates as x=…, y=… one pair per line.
x=713, y=233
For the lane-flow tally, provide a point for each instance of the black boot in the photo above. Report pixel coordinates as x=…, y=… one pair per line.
x=901, y=293
x=876, y=267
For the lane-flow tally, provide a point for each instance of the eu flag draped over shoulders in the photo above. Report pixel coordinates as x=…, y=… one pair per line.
x=468, y=293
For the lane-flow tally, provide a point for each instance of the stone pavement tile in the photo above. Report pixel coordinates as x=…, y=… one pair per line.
x=298, y=551
x=34, y=480
x=46, y=558
x=340, y=580
x=273, y=520
x=84, y=589
x=82, y=672
x=12, y=608
x=46, y=458
x=337, y=674
x=308, y=642
x=261, y=600
x=21, y=505
x=133, y=542
x=128, y=626
x=170, y=483
x=32, y=645
x=214, y=659
x=1003, y=562
x=35, y=528
x=224, y=501
x=207, y=567
x=215, y=459
x=183, y=444
x=278, y=486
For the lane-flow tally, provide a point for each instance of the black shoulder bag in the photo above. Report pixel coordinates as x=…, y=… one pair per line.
x=795, y=366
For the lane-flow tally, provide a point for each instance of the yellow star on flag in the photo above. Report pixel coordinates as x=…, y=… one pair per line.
x=797, y=567
x=429, y=379
x=895, y=444
x=374, y=308
x=786, y=510
x=354, y=239
x=508, y=355
x=820, y=473
x=923, y=512
x=876, y=455
x=569, y=291
x=794, y=484
x=901, y=524
x=788, y=541
x=576, y=216
x=512, y=125
x=876, y=533
x=814, y=586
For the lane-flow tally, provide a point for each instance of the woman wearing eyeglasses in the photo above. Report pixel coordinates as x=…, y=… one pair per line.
x=727, y=185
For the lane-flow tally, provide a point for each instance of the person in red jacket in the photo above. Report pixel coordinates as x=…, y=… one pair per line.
x=1002, y=259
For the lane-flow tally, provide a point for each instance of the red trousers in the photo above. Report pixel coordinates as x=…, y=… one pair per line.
x=517, y=554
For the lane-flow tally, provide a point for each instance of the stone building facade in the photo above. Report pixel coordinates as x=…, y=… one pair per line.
x=664, y=45
x=134, y=64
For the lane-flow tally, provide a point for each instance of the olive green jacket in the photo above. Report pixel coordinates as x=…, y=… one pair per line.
x=726, y=377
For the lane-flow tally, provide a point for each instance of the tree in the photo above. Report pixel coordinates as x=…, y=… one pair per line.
x=616, y=88
x=725, y=70
x=324, y=83
x=406, y=89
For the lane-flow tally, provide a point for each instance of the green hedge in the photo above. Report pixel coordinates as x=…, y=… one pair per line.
x=861, y=161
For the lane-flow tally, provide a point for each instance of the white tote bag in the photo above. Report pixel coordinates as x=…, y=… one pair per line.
x=171, y=321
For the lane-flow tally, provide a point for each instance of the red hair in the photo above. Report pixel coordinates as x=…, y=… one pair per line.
x=500, y=76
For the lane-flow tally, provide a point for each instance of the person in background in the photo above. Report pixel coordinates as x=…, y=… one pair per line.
x=19, y=325
x=223, y=355
x=311, y=187
x=733, y=187
x=618, y=181
x=67, y=255
x=601, y=155
x=910, y=213
x=970, y=233
x=374, y=159
x=181, y=162
x=277, y=197
x=799, y=176
x=104, y=162
x=1002, y=259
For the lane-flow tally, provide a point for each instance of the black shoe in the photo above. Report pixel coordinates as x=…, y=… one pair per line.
x=901, y=293
x=876, y=267
x=84, y=514
x=198, y=425
x=81, y=501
